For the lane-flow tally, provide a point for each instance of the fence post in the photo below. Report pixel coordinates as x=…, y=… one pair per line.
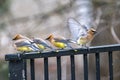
x=17, y=70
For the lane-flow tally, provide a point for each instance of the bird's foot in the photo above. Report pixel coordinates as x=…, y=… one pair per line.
x=55, y=50
x=86, y=47
x=75, y=50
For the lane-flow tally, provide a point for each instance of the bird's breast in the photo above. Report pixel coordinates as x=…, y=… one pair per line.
x=82, y=41
x=59, y=44
x=41, y=46
x=24, y=48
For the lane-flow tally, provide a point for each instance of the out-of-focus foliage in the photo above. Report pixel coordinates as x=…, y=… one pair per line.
x=3, y=71
x=4, y=6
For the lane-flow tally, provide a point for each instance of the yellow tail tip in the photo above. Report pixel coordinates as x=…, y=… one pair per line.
x=57, y=51
x=75, y=50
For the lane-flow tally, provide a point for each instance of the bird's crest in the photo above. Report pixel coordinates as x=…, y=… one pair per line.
x=92, y=31
x=17, y=36
x=49, y=37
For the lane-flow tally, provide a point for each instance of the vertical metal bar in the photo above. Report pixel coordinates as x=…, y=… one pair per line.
x=97, y=66
x=46, y=72
x=32, y=69
x=16, y=70
x=72, y=67
x=59, y=68
x=25, y=68
x=85, y=67
x=110, y=65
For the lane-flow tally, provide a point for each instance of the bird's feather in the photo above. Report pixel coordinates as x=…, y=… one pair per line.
x=77, y=30
x=42, y=42
x=60, y=40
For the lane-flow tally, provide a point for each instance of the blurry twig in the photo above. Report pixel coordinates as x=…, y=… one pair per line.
x=112, y=29
x=114, y=35
x=98, y=17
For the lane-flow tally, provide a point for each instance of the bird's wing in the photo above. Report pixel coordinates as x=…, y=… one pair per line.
x=41, y=41
x=20, y=43
x=61, y=40
x=76, y=29
x=65, y=41
x=82, y=33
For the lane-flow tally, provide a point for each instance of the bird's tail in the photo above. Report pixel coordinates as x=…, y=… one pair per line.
x=71, y=47
x=35, y=47
x=71, y=41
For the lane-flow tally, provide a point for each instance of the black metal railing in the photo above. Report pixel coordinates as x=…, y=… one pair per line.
x=17, y=62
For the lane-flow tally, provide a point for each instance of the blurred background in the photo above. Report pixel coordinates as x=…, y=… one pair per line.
x=39, y=18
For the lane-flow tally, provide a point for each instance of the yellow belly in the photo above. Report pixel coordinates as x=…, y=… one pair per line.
x=59, y=44
x=82, y=41
x=40, y=46
x=24, y=48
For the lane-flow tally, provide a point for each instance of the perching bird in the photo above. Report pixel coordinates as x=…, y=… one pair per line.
x=80, y=33
x=42, y=44
x=60, y=43
x=23, y=44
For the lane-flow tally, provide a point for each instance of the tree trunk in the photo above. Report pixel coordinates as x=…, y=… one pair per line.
x=83, y=10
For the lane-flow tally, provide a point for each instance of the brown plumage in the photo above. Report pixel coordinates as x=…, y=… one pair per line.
x=58, y=42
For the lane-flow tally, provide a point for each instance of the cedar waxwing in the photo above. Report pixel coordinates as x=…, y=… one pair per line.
x=80, y=33
x=42, y=44
x=24, y=44
x=58, y=42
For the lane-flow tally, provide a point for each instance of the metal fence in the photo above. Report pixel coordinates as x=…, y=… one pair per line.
x=17, y=62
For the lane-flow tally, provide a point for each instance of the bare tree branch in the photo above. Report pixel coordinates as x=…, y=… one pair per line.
x=84, y=12
x=114, y=35
x=116, y=38
x=98, y=17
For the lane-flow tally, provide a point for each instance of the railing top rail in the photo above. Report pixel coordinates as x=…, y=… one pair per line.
x=93, y=49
